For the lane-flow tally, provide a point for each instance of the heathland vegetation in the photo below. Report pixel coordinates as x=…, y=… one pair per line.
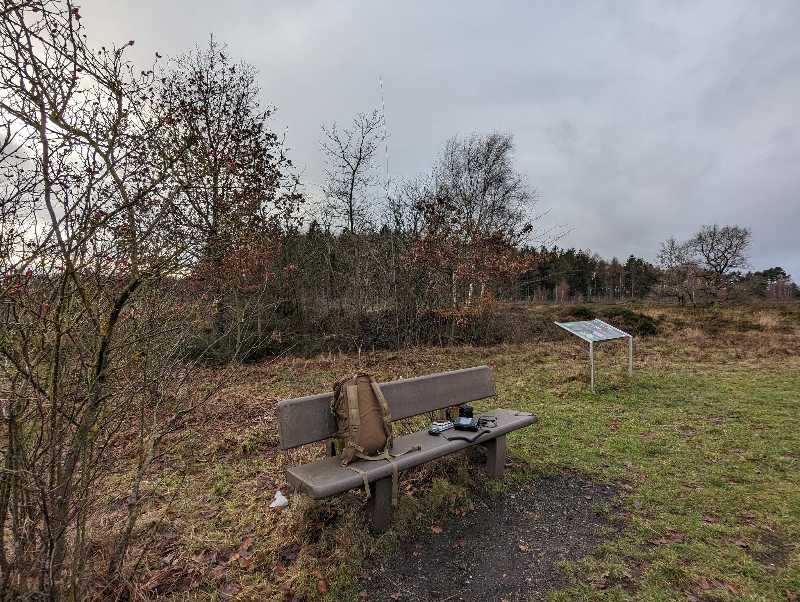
x=155, y=235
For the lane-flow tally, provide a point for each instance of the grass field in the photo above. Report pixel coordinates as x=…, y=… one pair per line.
x=702, y=444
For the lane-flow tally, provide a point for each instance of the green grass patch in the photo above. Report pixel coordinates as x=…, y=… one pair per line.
x=710, y=463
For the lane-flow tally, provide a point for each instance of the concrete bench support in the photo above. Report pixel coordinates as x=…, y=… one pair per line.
x=496, y=456
x=379, y=506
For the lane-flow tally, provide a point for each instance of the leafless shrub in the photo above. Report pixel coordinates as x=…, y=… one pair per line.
x=91, y=317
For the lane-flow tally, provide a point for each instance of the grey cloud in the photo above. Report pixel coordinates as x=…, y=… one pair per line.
x=633, y=120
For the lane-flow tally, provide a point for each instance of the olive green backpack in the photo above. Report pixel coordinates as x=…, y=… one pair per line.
x=363, y=425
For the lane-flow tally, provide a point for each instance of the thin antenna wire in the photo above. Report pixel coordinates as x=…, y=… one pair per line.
x=388, y=202
x=385, y=135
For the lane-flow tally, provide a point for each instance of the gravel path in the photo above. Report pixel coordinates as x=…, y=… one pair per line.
x=507, y=549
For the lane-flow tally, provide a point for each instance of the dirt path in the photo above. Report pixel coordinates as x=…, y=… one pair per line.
x=507, y=549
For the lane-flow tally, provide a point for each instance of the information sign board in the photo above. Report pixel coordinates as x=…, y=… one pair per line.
x=595, y=331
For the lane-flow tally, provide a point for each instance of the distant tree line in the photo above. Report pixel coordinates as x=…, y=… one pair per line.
x=572, y=275
x=773, y=283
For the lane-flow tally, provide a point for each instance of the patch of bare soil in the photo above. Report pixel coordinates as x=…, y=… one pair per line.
x=509, y=548
x=775, y=550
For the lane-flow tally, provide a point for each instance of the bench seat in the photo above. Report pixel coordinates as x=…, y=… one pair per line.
x=327, y=477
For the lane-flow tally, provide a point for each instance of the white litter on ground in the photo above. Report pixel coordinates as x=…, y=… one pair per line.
x=280, y=500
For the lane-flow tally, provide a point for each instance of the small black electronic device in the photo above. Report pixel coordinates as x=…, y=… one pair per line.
x=465, y=421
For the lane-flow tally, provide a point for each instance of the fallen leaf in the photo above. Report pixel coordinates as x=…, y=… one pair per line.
x=706, y=584
x=246, y=548
x=158, y=578
x=322, y=586
x=245, y=553
x=436, y=529
x=229, y=590
x=523, y=548
x=669, y=537
x=289, y=554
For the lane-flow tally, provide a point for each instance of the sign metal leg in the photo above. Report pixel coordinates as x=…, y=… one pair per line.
x=630, y=356
x=591, y=365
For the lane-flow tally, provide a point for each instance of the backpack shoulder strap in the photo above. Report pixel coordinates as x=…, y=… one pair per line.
x=350, y=448
x=387, y=416
x=353, y=413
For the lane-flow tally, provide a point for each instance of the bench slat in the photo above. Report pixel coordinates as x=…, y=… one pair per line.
x=309, y=419
x=327, y=477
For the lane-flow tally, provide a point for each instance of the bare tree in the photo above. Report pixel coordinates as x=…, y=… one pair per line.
x=477, y=177
x=705, y=262
x=351, y=154
x=722, y=249
x=476, y=213
x=679, y=268
x=350, y=173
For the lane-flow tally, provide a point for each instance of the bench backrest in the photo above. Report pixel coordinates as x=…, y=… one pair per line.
x=309, y=419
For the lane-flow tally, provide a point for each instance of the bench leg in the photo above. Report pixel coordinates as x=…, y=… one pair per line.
x=379, y=505
x=496, y=456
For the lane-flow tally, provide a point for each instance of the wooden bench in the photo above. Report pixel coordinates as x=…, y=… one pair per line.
x=309, y=419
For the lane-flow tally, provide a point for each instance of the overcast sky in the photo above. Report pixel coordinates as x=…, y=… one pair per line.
x=634, y=121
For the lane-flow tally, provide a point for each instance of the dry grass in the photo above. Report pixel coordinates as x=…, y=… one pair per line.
x=768, y=321
x=694, y=336
x=208, y=531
